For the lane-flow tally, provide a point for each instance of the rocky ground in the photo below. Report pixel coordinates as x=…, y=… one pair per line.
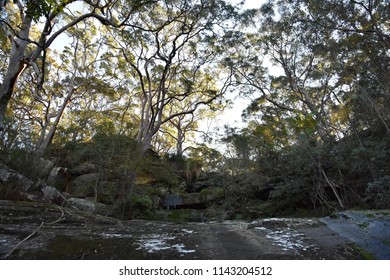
x=30, y=230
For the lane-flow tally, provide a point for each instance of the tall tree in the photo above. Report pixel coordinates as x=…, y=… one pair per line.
x=172, y=50
x=17, y=19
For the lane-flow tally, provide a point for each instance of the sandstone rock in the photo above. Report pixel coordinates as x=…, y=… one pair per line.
x=43, y=167
x=51, y=194
x=91, y=185
x=14, y=179
x=83, y=168
x=89, y=206
x=59, y=177
x=84, y=185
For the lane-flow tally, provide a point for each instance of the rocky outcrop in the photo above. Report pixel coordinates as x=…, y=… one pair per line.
x=84, y=185
x=51, y=194
x=43, y=167
x=11, y=180
x=14, y=179
x=89, y=206
x=59, y=177
x=188, y=200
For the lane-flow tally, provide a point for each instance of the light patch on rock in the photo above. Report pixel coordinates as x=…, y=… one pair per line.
x=115, y=235
x=288, y=239
x=153, y=243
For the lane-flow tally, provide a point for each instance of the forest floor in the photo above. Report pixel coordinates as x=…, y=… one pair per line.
x=59, y=233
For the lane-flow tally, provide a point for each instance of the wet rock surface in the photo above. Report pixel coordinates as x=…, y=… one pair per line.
x=62, y=233
x=369, y=229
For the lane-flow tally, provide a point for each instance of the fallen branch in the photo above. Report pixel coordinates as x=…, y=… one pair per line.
x=59, y=219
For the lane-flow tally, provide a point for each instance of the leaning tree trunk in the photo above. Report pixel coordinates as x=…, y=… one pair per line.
x=16, y=67
x=46, y=140
x=17, y=63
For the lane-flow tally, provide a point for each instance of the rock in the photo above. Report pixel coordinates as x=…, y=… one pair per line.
x=43, y=167
x=14, y=179
x=91, y=185
x=83, y=168
x=51, y=194
x=205, y=181
x=89, y=206
x=192, y=199
x=59, y=177
x=84, y=185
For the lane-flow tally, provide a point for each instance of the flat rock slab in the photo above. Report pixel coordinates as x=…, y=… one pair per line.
x=369, y=229
x=71, y=234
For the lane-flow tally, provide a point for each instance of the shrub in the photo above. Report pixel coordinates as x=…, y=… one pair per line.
x=135, y=207
x=378, y=193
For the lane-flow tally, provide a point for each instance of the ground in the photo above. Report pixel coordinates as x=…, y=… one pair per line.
x=71, y=234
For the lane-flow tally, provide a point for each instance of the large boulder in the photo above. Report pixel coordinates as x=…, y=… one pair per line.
x=91, y=185
x=84, y=185
x=43, y=167
x=59, y=177
x=51, y=194
x=89, y=206
x=83, y=168
x=13, y=179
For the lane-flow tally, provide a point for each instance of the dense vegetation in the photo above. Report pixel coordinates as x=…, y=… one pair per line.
x=125, y=89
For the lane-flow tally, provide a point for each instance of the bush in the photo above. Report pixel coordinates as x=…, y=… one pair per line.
x=378, y=193
x=135, y=207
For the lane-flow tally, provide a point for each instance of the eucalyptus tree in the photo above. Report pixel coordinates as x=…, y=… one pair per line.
x=184, y=128
x=74, y=81
x=302, y=87
x=361, y=31
x=331, y=60
x=297, y=99
x=172, y=49
x=29, y=50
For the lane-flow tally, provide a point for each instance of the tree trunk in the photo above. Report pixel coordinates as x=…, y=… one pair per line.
x=46, y=140
x=179, y=142
x=16, y=66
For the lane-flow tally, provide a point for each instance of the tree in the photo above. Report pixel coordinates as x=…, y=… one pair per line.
x=184, y=126
x=363, y=40
x=30, y=51
x=329, y=83
x=171, y=49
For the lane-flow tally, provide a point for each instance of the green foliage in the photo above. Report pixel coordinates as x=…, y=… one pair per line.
x=135, y=207
x=378, y=193
x=24, y=162
x=36, y=9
